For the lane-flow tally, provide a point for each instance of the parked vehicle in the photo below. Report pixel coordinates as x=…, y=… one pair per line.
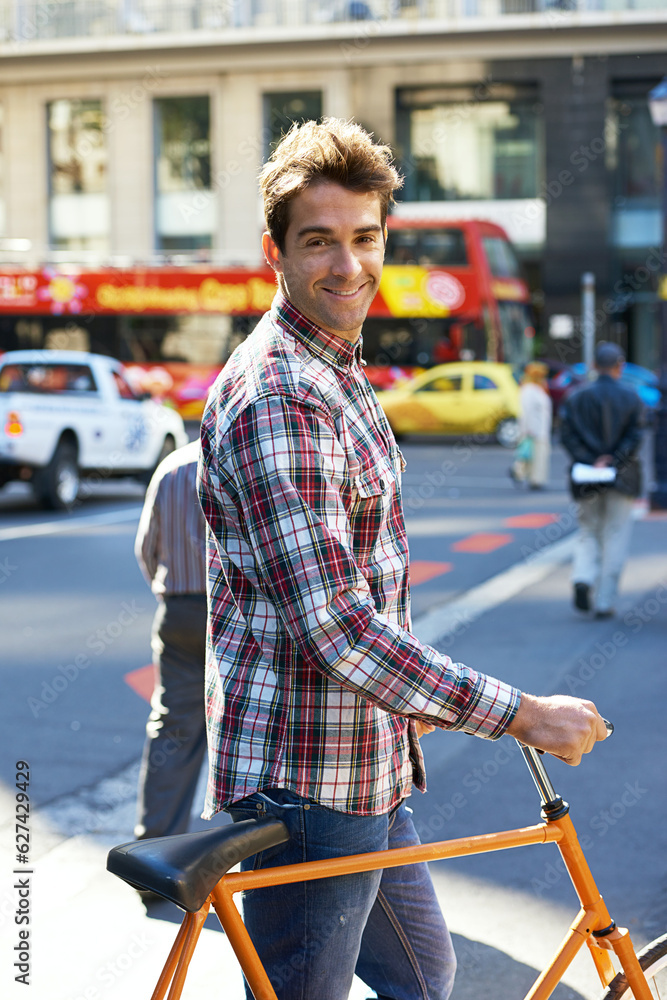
x=645, y=384
x=562, y=381
x=465, y=397
x=70, y=414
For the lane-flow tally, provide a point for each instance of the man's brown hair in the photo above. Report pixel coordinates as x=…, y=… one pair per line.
x=334, y=150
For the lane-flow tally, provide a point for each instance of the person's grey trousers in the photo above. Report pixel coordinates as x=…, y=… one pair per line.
x=176, y=728
x=605, y=526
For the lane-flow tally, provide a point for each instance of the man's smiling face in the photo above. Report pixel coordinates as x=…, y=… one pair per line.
x=334, y=248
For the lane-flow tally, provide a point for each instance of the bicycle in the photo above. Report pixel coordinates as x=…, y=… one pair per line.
x=193, y=871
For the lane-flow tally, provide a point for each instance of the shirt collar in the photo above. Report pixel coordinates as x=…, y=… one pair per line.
x=328, y=347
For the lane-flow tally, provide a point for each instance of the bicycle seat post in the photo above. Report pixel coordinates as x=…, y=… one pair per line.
x=553, y=806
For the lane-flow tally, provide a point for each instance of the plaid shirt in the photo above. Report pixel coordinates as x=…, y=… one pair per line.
x=314, y=682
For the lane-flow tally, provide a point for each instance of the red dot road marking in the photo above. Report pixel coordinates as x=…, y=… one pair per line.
x=530, y=520
x=421, y=570
x=142, y=681
x=482, y=542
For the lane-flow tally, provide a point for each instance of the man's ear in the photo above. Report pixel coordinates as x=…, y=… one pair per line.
x=271, y=253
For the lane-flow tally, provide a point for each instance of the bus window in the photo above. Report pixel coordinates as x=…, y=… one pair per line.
x=443, y=248
x=502, y=259
x=421, y=342
x=516, y=332
x=427, y=247
x=402, y=248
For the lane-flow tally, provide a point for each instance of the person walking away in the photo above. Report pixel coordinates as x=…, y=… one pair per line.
x=317, y=690
x=170, y=548
x=601, y=429
x=534, y=427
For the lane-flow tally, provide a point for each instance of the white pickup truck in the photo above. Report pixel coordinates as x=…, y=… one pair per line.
x=69, y=414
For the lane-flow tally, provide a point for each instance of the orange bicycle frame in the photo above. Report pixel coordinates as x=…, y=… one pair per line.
x=592, y=925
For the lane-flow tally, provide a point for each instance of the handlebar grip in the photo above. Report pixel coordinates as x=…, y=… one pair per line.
x=610, y=728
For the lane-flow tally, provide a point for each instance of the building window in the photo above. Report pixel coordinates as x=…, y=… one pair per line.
x=282, y=110
x=427, y=247
x=633, y=154
x=470, y=143
x=78, y=201
x=185, y=204
x=633, y=147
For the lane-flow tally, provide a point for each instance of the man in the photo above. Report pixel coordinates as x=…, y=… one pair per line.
x=170, y=549
x=602, y=427
x=318, y=692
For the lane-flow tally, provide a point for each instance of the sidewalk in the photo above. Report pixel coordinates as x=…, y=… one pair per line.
x=91, y=937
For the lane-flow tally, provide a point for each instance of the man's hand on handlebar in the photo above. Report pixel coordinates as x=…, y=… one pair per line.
x=560, y=725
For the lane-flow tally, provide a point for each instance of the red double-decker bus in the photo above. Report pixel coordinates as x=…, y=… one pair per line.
x=449, y=291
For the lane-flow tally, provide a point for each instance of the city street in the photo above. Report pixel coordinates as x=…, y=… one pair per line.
x=490, y=587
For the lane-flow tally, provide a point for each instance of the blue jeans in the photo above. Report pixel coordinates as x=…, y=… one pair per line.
x=385, y=926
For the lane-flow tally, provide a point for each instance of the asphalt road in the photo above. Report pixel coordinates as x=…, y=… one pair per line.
x=75, y=617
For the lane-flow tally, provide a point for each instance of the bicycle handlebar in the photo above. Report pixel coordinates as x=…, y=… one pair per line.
x=532, y=756
x=609, y=725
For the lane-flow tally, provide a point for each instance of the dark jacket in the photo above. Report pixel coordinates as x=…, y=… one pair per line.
x=605, y=418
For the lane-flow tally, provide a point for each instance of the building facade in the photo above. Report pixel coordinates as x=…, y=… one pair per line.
x=134, y=132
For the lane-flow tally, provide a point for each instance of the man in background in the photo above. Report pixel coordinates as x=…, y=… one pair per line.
x=601, y=427
x=170, y=549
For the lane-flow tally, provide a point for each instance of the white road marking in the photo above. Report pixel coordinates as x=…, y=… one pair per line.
x=447, y=619
x=426, y=527
x=71, y=524
x=415, y=479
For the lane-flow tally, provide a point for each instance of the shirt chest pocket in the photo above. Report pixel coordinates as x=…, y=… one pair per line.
x=374, y=483
x=379, y=479
x=375, y=517
x=375, y=488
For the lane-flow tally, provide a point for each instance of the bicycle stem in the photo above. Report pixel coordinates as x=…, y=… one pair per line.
x=552, y=804
x=551, y=801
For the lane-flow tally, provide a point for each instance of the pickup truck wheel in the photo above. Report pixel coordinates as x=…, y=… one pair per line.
x=168, y=445
x=57, y=484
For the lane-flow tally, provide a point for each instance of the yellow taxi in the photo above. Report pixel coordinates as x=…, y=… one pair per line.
x=463, y=397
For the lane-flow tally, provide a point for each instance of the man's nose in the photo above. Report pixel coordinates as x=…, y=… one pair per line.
x=346, y=263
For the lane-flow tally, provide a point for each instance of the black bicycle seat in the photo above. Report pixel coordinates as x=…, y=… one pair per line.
x=186, y=867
